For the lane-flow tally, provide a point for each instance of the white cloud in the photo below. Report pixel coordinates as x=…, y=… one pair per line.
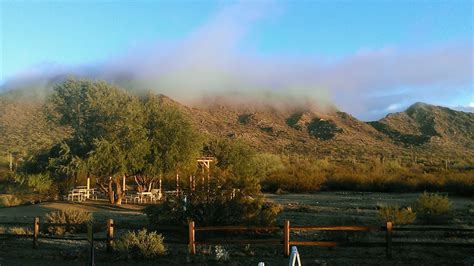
x=393, y=107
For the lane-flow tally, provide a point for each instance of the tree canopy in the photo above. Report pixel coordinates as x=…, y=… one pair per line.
x=116, y=134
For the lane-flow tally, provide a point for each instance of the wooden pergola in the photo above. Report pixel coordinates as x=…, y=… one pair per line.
x=205, y=162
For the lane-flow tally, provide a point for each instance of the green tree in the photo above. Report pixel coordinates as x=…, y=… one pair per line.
x=174, y=144
x=108, y=137
x=234, y=156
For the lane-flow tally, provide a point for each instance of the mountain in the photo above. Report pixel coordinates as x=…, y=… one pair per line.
x=24, y=127
x=423, y=129
x=430, y=126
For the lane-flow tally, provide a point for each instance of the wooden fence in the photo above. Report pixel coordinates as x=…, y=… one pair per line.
x=35, y=235
x=287, y=240
x=286, y=230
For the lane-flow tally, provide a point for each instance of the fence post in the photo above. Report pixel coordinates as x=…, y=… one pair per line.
x=286, y=238
x=389, y=240
x=36, y=232
x=192, y=245
x=110, y=234
x=90, y=238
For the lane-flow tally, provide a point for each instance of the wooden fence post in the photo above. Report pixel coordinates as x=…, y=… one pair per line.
x=36, y=232
x=192, y=245
x=110, y=234
x=90, y=238
x=389, y=240
x=286, y=238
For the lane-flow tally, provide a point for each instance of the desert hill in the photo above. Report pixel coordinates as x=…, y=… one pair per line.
x=425, y=129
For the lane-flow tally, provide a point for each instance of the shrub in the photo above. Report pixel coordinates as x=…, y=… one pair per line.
x=68, y=216
x=433, y=207
x=397, y=215
x=461, y=183
x=229, y=200
x=221, y=254
x=299, y=175
x=20, y=231
x=39, y=182
x=9, y=200
x=141, y=244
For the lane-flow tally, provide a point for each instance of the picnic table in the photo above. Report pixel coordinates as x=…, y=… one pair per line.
x=143, y=197
x=81, y=193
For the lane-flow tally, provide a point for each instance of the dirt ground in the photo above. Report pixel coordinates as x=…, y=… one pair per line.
x=324, y=208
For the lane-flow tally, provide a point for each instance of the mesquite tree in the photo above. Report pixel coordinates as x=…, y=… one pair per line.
x=173, y=143
x=108, y=135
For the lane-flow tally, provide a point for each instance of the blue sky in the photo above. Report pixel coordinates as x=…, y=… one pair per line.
x=330, y=38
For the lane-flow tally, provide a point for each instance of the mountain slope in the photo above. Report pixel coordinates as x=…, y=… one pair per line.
x=430, y=126
x=24, y=127
x=426, y=129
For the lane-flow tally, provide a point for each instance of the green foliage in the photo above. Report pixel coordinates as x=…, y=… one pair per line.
x=141, y=244
x=115, y=133
x=40, y=182
x=298, y=175
x=37, y=182
x=68, y=216
x=21, y=231
x=9, y=200
x=108, y=136
x=173, y=142
x=433, y=207
x=238, y=158
x=267, y=164
x=229, y=200
x=397, y=215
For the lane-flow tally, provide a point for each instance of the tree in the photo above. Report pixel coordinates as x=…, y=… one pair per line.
x=234, y=156
x=173, y=142
x=108, y=136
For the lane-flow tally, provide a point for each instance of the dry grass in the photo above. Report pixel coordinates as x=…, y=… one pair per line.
x=68, y=216
x=433, y=207
x=141, y=244
x=9, y=200
x=397, y=215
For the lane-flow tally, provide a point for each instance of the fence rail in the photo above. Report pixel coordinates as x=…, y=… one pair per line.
x=287, y=241
x=286, y=230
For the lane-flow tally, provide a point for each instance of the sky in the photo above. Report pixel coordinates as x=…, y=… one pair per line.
x=366, y=57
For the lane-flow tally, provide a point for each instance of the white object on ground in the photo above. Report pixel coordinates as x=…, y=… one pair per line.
x=294, y=257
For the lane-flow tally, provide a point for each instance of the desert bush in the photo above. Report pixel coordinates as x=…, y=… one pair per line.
x=141, y=244
x=37, y=182
x=20, y=231
x=9, y=200
x=229, y=200
x=221, y=254
x=460, y=183
x=433, y=207
x=68, y=216
x=396, y=215
x=299, y=175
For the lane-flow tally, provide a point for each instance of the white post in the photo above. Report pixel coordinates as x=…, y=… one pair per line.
x=10, y=161
x=88, y=186
x=124, y=186
x=177, y=184
x=295, y=257
x=161, y=191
